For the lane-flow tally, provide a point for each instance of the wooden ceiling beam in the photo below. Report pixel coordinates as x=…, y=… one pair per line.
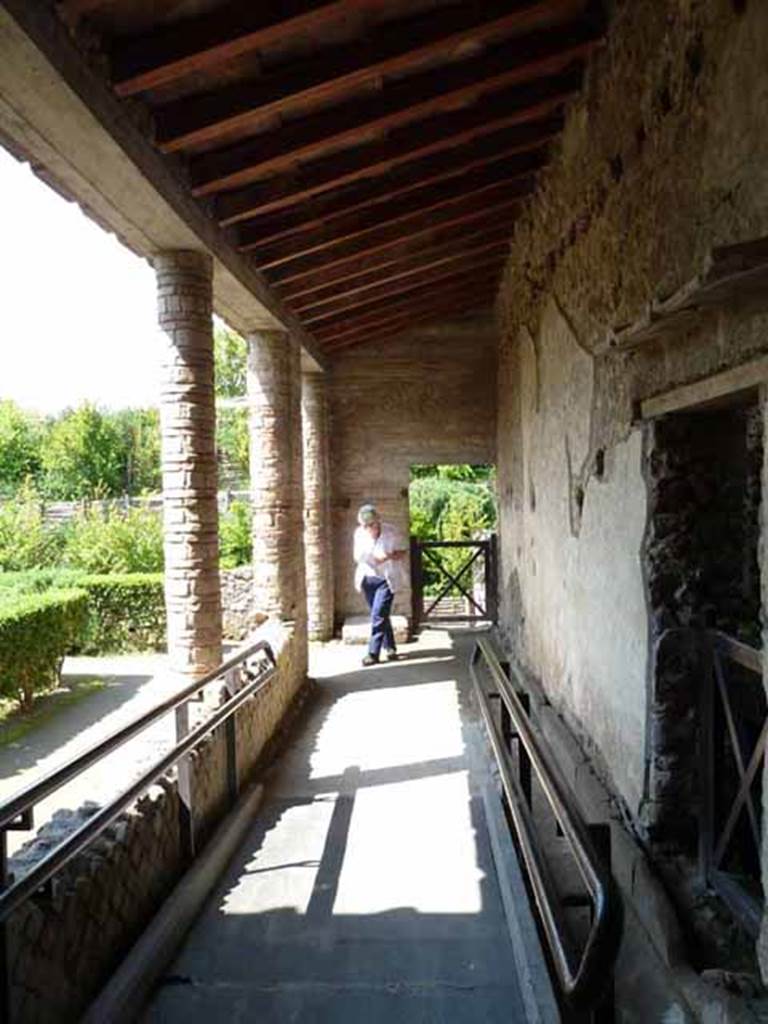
x=430, y=309
x=395, y=109
x=379, y=192
x=150, y=60
x=358, y=168
x=430, y=198
x=403, y=324
x=471, y=225
x=461, y=210
x=394, y=48
x=394, y=291
x=420, y=96
x=435, y=299
x=416, y=265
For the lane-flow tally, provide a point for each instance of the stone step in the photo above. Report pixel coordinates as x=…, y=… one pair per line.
x=357, y=629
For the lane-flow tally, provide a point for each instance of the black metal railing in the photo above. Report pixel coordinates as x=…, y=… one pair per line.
x=451, y=585
x=243, y=675
x=731, y=823
x=584, y=975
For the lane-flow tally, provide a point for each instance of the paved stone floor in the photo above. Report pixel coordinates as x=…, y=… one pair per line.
x=366, y=890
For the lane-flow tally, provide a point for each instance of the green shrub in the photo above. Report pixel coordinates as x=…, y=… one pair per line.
x=121, y=541
x=235, y=544
x=26, y=542
x=36, y=631
x=125, y=612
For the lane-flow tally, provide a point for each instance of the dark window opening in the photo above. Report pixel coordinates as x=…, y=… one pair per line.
x=708, y=702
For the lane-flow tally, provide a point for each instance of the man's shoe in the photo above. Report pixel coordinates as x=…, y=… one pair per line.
x=390, y=655
x=370, y=660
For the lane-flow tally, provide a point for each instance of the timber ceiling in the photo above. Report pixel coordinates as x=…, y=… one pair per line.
x=369, y=156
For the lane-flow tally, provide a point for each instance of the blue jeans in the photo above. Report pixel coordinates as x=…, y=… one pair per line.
x=379, y=598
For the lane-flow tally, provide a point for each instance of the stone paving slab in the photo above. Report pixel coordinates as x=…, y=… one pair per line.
x=366, y=889
x=357, y=629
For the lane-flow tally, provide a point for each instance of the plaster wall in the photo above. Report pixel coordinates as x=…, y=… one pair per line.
x=426, y=397
x=663, y=158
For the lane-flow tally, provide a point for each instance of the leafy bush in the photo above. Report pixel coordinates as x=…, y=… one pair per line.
x=125, y=612
x=122, y=541
x=36, y=631
x=26, y=542
x=235, y=544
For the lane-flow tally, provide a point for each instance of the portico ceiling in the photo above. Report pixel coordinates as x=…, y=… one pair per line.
x=367, y=157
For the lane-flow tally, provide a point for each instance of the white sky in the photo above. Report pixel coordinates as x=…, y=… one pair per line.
x=77, y=309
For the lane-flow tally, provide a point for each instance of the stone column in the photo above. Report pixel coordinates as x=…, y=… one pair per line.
x=277, y=493
x=317, y=507
x=188, y=423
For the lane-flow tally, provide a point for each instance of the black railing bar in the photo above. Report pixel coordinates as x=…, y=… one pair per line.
x=738, y=753
x=744, y=793
x=542, y=883
x=11, y=809
x=748, y=910
x=480, y=544
x=20, y=891
x=454, y=581
x=736, y=650
x=600, y=948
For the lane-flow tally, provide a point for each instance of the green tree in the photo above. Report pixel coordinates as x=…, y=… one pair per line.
x=20, y=445
x=85, y=455
x=141, y=432
x=230, y=360
x=231, y=356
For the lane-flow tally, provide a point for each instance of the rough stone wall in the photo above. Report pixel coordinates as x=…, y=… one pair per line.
x=65, y=945
x=663, y=158
x=240, y=611
x=425, y=397
x=317, y=506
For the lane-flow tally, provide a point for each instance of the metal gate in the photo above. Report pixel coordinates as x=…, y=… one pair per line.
x=453, y=581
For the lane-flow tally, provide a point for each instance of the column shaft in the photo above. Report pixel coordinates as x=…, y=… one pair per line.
x=317, y=507
x=274, y=398
x=188, y=424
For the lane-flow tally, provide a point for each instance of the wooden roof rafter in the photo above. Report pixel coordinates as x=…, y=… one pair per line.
x=430, y=199
x=443, y=240
x=233, y=110
x=252, y=161
x=396, y=291
x=462, y=210
x=498, y=241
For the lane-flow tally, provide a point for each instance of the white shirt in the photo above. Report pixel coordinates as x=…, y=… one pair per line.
x=367, y=547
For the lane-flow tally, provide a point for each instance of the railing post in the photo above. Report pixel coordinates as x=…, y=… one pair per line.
x=5, y=962
x=707, y=725
x=186, y=809
x=233, y=779
x=417, y=586
x=605, y=1010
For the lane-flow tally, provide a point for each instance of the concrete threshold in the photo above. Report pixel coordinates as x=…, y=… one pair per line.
x=367, y=887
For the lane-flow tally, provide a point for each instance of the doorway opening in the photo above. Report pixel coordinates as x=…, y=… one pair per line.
x=709, y=720
x=453, y=516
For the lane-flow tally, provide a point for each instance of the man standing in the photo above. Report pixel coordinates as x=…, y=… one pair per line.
x=379, y=573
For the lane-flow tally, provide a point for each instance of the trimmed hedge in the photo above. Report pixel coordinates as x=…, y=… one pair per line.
x=126, y=612
x=36, y=631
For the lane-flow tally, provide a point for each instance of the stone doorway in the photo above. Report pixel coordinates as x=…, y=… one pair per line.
x=708, y=706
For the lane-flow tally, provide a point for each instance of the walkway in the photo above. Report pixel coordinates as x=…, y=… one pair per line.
x=366, y=890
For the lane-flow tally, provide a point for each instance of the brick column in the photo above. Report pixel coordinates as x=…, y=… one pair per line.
x=277, y=492
x=317, y=507
x=188, y=422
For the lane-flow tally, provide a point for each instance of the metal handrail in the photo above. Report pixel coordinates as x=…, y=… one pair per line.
x=582, y=981
x=25, y=800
